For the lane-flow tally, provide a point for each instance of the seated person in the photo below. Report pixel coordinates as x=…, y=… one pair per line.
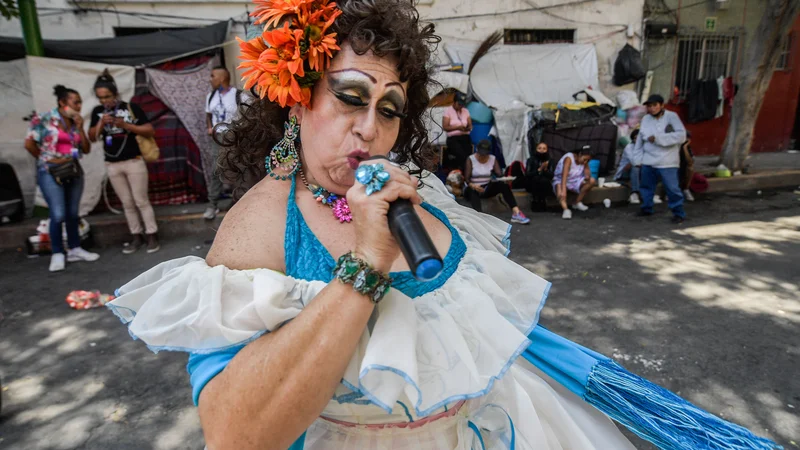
x=572, y=174
x=481, y=168
x=539, y=177
x=630, y=167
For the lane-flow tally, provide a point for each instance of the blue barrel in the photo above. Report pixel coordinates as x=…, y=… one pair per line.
x=594, y=167
x=480, y=113
x=480, y=131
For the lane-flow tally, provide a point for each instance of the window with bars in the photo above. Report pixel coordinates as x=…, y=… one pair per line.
x=784, y=63
x=522, y=37
x=704, y=56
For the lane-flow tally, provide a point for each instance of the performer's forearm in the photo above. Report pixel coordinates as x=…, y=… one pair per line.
x=276, y=386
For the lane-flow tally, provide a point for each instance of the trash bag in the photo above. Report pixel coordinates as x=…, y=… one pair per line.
x=628, y=67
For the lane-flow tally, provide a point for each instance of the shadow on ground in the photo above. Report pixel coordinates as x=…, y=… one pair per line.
x=709, y=310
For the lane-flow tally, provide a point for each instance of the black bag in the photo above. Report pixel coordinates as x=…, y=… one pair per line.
x=66, y=171
x=628, y=67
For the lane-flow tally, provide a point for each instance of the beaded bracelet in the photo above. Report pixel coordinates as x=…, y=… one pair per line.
x=365, y=280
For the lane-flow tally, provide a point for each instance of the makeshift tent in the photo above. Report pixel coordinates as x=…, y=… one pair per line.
x=45, y=73
x=177, y=176
x=566, y=129
x=534, y=74
x=184, y=92
x=16, y=104
x=142, y=49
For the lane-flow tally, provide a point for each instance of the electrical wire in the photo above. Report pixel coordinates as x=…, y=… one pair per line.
x=544, y=11
x=135, y=14
x=503, y=13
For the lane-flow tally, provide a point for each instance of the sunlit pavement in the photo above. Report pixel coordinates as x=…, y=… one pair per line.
x=709, y=309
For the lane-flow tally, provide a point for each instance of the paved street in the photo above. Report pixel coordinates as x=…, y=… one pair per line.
x=710, y=310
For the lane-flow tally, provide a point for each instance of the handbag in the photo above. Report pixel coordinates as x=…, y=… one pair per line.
x=147, y=146
x=66, y=171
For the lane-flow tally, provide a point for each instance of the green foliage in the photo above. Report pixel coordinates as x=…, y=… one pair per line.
x=8, y=8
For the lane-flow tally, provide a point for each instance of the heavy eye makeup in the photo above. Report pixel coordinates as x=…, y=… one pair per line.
x=356, y=94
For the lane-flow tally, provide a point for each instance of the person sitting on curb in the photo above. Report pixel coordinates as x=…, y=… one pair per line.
x=572, y=175
x=630, y=167
x=539, y=177
x=481, y=168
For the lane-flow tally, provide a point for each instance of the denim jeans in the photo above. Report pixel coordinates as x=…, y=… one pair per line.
x=669, y=177
x=634, y=176
x=64, y=202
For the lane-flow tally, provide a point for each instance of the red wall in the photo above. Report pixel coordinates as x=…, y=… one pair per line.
x=775, y=120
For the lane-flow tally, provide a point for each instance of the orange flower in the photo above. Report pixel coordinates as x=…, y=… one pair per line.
x=273, y=11
x=274, y=62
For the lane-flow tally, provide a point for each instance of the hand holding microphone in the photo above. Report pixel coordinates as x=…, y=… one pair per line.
x=394, y=203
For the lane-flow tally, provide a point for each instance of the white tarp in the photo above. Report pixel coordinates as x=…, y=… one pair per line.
x=45, y=73
x=16, y=103
x=512, y=130
x=534, y=74
x=444, y=80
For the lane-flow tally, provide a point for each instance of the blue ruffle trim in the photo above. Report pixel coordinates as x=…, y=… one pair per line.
x=507, y=243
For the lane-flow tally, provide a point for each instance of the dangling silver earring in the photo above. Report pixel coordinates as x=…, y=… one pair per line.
x=283, y=156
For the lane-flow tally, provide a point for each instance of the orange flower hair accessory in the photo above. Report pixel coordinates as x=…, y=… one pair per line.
x=283, y=63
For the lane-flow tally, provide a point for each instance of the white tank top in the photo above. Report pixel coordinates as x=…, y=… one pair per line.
x=481, y=173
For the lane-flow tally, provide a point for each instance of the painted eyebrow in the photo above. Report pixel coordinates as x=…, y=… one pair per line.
x=371, y=78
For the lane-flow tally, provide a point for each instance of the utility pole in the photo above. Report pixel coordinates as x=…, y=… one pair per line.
x=30, y=27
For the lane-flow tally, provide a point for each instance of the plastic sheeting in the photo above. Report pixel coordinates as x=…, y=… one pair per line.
x=512, y=130
x=128, y=50
x=45, y=73
x=185, y=93
x=16, y=103
x=534, y=74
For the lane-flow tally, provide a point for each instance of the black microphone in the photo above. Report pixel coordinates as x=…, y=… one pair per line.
x=413, y=239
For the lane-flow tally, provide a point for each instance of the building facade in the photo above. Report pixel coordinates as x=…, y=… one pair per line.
x=608, y=24
x=687, y=42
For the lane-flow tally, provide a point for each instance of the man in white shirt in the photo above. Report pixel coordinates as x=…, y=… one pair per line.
x=660, y=137
x=221, y=105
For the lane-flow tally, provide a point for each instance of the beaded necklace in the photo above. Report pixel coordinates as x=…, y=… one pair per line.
x=341, y=210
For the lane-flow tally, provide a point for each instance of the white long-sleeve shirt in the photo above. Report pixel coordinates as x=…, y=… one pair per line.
x=664, y=153
x=629, y=156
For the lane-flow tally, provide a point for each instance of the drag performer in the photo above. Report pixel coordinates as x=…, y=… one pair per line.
x=304, y=326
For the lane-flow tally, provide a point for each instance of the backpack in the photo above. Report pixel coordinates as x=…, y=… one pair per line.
x=516, y=169
x=238, y=97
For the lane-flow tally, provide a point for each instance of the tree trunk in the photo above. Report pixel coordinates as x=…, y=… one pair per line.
x=760, y=61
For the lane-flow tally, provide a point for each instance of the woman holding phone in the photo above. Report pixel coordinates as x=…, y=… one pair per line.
x=57, y=140
x=118, y=123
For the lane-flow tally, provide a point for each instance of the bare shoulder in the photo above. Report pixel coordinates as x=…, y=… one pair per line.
x=252, y=233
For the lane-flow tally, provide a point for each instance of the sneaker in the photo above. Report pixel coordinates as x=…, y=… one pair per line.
x=57, y=262
x=580, y=206
x=133, y=245
x=79, y=254
x=678, y=220
x=210, y=213
x=687, y=194
x=634, y=199
x=567, y=214
x=657, y=200
x=520, y=218
x=152, y=243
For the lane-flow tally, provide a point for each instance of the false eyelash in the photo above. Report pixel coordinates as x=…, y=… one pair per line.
x=349, y=99
x=393, y=113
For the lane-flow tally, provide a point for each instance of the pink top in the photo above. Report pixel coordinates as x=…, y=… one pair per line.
x=64, y=145
x=457, y=119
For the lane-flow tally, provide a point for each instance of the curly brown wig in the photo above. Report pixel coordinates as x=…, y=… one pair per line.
x=388, y=28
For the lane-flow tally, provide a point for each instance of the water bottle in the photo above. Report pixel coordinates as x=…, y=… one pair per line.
x=76, y=154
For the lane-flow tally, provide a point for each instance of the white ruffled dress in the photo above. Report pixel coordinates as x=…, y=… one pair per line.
x=450, y=354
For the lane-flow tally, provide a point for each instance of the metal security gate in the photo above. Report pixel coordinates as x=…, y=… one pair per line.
x=705, y=56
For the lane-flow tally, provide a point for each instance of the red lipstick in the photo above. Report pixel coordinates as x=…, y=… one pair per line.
x=355, y=157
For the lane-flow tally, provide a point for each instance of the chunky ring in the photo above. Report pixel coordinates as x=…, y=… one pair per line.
x=373, y=176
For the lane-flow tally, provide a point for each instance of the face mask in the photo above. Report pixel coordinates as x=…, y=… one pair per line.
x=543, y=156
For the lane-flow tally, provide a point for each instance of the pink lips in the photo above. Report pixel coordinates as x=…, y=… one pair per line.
x=355, y=158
